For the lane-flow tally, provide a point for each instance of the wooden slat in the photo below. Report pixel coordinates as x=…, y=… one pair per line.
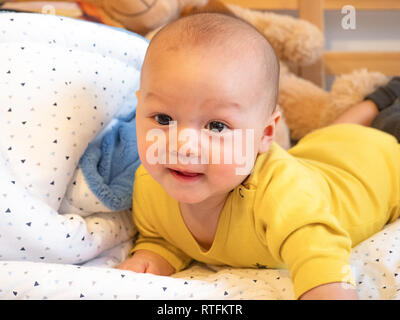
x=362, y=4
x=265, y=4
x=313, y=11
x=337, y=62
x=329, y=4
x=60, y=8
x=334, y=62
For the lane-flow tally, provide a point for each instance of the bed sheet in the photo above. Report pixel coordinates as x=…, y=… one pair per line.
x=375, y=264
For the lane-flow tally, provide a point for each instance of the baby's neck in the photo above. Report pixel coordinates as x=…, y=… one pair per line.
x=209, y=208
x=201, y=219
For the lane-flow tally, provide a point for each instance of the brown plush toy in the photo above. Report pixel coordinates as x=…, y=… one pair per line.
x=140, y=16
x=305, y=106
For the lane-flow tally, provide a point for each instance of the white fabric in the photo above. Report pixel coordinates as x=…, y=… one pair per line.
x=33, y=231
x=62, y=81
x=375, y=263
x=79, y=199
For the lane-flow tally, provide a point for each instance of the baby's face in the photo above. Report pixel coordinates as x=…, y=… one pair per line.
x=201, y=121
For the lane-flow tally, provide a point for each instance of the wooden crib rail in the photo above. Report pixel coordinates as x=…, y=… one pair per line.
x=334, y=62
x=339, y=62
x=327, y=4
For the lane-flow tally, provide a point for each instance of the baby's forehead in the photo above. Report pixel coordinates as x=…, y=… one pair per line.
x=237, y=55
x=220, y=37
x=232, y=38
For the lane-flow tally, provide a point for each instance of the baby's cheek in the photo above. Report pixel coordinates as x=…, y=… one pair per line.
x=231, y=157
x=142, y=147
x=151, y=148
x=225, y=176
x=151, y=168
x=149, y=159
x=220, y=150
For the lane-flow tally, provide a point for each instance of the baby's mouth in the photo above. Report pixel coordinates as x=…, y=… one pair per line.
x=185, y=176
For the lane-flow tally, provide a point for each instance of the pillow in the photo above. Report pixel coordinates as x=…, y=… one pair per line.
x=61, y=82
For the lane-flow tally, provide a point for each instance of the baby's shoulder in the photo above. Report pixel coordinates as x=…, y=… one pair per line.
x=143, y=177
x=141, y=172
x=277, y=164
x=149, y=197
x=145, y=185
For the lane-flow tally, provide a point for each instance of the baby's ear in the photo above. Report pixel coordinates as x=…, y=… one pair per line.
x=269, y=132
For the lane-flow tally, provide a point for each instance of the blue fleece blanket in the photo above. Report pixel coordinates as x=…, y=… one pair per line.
x=109, y=166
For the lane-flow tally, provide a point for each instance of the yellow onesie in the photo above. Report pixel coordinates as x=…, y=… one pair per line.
x=302, y=209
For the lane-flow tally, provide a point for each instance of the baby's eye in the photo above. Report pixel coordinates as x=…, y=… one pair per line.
x=216, y=126
x=163, y=119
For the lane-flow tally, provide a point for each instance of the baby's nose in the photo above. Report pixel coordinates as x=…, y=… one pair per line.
x=187, y=145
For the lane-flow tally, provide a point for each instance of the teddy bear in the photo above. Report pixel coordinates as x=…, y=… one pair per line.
x=305, y=106
x=140, y=16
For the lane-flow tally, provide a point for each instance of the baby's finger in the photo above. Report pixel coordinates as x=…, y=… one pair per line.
x=154, y=270
x=134, y=266
x=139, y=268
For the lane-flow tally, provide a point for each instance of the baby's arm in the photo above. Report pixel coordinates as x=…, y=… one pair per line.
x=318, y=259
x=145, y=261
x=331, y=291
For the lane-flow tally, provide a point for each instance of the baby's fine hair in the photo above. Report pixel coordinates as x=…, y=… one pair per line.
x=218, y=30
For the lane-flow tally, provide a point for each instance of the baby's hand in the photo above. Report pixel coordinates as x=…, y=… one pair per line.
x=331, y=291
x=144, y=261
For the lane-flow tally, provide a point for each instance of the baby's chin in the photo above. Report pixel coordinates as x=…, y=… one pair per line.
x=187, y=197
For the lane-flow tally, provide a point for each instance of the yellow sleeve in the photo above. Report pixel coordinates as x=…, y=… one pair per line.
x=158, y=245
x=300, y=230
x=149, y=238
x=317, y=254
x=309, y=240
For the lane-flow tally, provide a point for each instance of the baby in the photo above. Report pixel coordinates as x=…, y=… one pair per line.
x=208, y=92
